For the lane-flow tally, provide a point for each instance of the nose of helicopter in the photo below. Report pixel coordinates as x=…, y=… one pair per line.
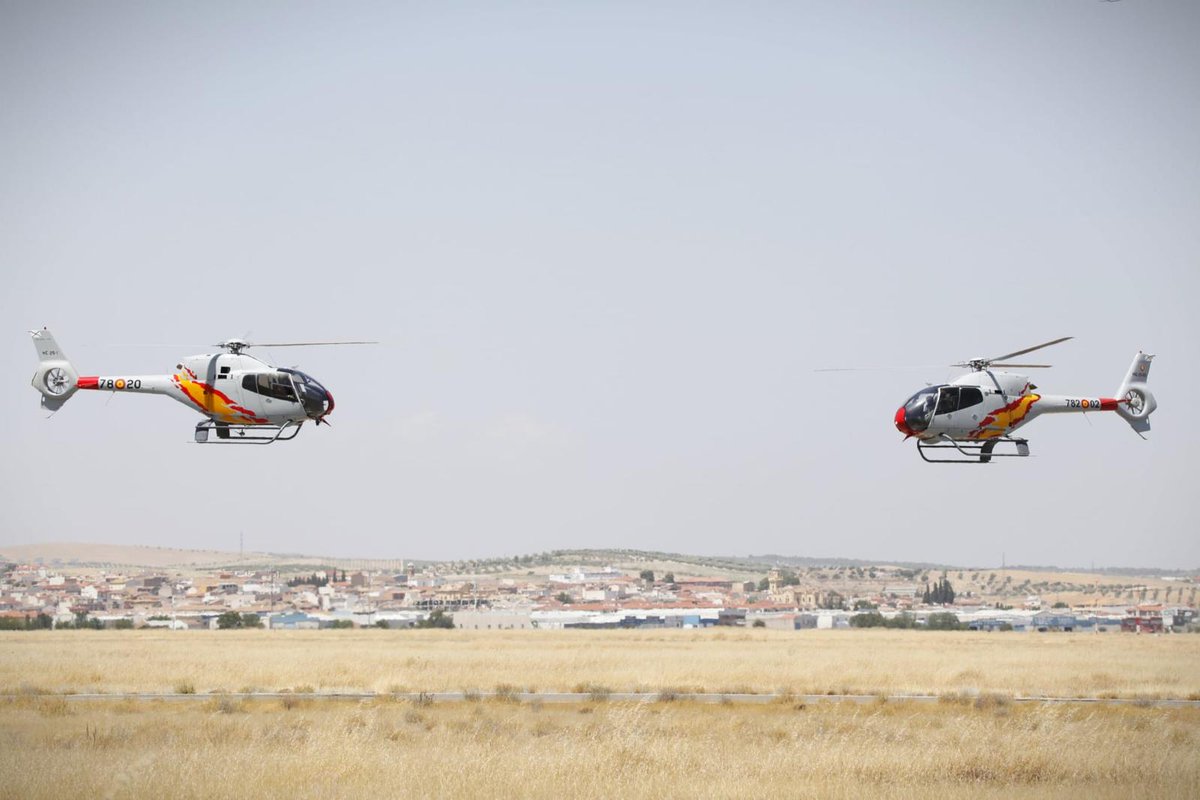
x=901, y=424
x=316, y=399
x=321, y=405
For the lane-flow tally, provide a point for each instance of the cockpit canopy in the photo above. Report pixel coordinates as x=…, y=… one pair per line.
x=293, y=386
x=920, y=409
x=315, y=398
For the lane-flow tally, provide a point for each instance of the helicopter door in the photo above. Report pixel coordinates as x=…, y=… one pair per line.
x=947, y=402
x=943, y=414
x=954, y=406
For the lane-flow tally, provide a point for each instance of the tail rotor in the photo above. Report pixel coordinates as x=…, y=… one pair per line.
x=55, y=378
x=1135, y=401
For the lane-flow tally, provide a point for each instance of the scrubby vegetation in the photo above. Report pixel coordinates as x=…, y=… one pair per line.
x=713, y=660
x=979, y=746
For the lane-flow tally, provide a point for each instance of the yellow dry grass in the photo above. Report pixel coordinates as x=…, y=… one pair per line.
x=229, y=749
x=731, y=660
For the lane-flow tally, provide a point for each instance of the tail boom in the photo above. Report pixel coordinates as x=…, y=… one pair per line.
x=1133, y=401
x=138, y=384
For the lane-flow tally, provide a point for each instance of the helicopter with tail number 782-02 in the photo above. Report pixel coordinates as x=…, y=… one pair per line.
x=244, y=400
x=973, y=414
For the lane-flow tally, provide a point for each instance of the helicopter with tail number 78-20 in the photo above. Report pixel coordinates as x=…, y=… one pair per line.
x=969, y=417
x=244, y=400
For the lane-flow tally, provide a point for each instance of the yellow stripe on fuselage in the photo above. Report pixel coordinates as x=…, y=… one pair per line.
x=1002, y=420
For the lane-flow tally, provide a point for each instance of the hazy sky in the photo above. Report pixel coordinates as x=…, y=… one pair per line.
x=606, y=245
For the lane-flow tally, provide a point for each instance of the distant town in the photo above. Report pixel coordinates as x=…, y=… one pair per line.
x=602, y=589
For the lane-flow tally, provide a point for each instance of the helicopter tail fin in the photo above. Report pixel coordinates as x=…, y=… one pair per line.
x=55, y=378
x=1135, y=401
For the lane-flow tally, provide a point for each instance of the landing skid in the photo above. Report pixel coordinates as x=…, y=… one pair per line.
x=973, y=452
x=246, y=434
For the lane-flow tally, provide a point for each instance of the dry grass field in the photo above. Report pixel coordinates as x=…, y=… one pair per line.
x=981, y=745
x=730, y=660
x=224, y=748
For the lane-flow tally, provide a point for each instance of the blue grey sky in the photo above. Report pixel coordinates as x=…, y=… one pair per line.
x=605, y=246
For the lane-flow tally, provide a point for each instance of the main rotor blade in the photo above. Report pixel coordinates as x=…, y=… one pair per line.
x=1023, y=366
x=301, y=344
x=143, y=344
x=879, y=369
x=1029, y=349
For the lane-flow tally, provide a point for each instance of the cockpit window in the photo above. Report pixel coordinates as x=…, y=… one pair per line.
x=276, y=385
x=957, y=398
x=918, y=409
x=947, y=400
x=313, y=397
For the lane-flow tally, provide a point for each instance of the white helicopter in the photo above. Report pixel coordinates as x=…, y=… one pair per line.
x=980, y=410
x=244, y=400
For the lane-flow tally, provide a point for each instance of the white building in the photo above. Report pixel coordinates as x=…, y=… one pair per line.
x=493, y=620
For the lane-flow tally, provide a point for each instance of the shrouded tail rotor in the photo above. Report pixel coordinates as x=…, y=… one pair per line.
x=1135, y=401
x=55, y=378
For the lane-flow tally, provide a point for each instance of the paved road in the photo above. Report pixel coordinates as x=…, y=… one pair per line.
x=616, y=697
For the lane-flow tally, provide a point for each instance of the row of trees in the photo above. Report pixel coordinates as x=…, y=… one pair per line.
x=41, y=622
x=316, y=579
x=437, y=619
x=942, y=593
x=44, y=622
x=227, y=621
x=941, y=621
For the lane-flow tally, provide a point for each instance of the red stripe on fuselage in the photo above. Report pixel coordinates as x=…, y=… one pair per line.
x=1108, y=404
x=90, y=382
